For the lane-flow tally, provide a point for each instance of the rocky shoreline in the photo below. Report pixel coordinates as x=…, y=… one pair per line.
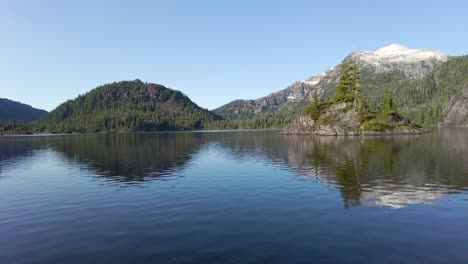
x=338, y=121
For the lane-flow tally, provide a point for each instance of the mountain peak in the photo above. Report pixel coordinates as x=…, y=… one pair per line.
x=399, y=57
x=392, y=49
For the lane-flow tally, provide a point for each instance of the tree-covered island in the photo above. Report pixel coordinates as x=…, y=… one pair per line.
x=347, y=112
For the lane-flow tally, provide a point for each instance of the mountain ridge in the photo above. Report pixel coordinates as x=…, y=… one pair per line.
x=11, y=110
x=383, y=61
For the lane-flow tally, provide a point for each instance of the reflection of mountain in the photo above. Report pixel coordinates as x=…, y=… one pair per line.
x=377, y=171
x=130, y=156
x=15, y=148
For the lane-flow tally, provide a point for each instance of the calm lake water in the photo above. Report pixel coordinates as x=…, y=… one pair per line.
x=234, y=197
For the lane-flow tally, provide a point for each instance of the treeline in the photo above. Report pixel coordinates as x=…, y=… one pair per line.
x=268, y=121
x=18, y=128
x=265, y=121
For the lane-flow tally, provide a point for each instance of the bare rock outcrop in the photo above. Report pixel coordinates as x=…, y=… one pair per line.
x=456, y=112
x=343, y=120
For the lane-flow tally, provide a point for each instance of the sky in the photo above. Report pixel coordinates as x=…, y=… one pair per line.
x=213, y=51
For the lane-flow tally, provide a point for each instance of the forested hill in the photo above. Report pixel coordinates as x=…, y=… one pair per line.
x=127, y=106
x=15, y=111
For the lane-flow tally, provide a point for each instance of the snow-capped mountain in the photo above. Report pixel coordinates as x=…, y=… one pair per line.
x=394, y=59
x=414, y=63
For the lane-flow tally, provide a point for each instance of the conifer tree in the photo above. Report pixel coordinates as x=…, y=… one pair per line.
x=388, y=107
x=348, y=84
x=314, y=109
x=363, y=109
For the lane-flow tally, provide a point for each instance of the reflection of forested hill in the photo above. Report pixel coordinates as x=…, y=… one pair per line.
x=132, y=156
x=12, y=148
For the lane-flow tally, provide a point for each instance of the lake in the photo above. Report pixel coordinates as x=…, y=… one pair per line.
x=234, y=197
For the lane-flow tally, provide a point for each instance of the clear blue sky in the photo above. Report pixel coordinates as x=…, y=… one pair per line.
x=213, y=51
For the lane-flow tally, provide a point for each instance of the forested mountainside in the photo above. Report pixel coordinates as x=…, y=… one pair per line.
x=16, y=111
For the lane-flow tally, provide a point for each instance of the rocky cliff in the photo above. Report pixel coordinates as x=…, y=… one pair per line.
x=456, y=113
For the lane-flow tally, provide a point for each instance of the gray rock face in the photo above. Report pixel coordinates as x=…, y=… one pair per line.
x=302, y=125
x=456, y=113
x=338, y=120
x=278, y=101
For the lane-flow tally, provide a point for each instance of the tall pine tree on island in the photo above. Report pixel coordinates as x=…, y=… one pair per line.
x=349, y=83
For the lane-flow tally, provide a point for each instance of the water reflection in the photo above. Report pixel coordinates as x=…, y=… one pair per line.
x=133, y=156
x=374, y=171
x=380, y=171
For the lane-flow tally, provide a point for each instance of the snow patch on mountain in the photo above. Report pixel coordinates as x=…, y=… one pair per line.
x=414, y=63
x=398, y=53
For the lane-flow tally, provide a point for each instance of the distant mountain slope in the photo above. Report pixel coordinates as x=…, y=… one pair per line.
x=425, y=99
x=389, y=67
x=456, y=113
x=15, y=111
x=128, y=106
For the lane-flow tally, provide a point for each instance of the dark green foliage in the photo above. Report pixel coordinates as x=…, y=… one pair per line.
x=128, y=106
x=363, y=109
x=424, y=100
x=266, y=121
x=14, y=127
x=387, y=104
x=378, y=125
x=314, y=109
x=348, y=84
x=349, y=87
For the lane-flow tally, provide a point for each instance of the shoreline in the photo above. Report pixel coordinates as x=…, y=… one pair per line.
x=375, y=133
x=136, y=132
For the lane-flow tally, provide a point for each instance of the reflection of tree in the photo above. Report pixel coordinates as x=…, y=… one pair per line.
x=351, y=161
x=390, y=171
